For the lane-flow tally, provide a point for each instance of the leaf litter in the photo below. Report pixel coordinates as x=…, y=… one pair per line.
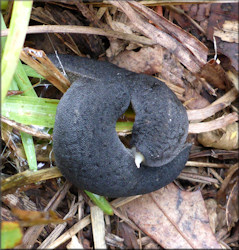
x=201, y=210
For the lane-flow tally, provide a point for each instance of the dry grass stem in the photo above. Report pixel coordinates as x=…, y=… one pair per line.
x=98, y=227
x=28, y=177
x=33, y=233
x=86, y=221
x=59, y=228
x=164, y=2
x=26, y=129
x=73, y=29
x=38, y=60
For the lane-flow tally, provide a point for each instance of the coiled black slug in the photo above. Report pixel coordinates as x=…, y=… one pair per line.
x=85, y=143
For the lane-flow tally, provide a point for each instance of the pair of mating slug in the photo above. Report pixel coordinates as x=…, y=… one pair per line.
x=86, y=146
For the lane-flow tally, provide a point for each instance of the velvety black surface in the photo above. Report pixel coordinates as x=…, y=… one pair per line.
x=86, y=146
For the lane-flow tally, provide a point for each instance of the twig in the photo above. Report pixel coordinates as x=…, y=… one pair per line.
x=206, y=164
x=201, y=114
x=229, y=97
x=71, y=232
x=197, y=178
x=198, y=49
x=182, y=12
x=196, y=128
x=215, y=174
x=224, y=101
x=165, y=2
x=122, y=201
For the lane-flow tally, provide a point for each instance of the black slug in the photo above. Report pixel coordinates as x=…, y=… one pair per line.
x=86, y=146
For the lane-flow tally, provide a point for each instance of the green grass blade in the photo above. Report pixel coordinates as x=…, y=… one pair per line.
x=23, y=81
x=3, y=27
x=39, y=111
x=31, y=72
x=124, y=126
x=14, y=43
x=29, y=148
x=101, y=202
x=30, y=110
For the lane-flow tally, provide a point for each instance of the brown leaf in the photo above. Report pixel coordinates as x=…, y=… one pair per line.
x=227, y=139
x=222, y=193
x=146, y=60
x=31, y=218
x=211, y=205
x=232, y=214
x=219, y=14
x=194, y=99
x=173, y=218
x=214, y=20
x=215, y=75
x=128, y=235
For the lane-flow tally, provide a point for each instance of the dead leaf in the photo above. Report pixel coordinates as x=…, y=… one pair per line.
x=31, y=218
x=194, y=99
x=127, y=233
x=214, y=20
x=215, y=75
x=146, y=60
x=229, y=31
x=222, y=194
x=173, y=218
x=232, y=213
x=220, y=14
x=211, y=205
x=227, y=139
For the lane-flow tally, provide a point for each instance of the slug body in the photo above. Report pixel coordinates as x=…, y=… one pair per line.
x=86, y=146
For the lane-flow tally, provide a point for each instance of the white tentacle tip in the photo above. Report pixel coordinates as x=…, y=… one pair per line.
x=138, y=158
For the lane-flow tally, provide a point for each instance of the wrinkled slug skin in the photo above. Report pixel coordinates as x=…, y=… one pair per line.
x=86, y=146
